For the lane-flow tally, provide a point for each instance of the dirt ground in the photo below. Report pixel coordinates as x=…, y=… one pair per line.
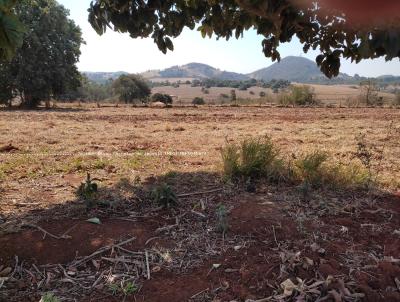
x=335, y=246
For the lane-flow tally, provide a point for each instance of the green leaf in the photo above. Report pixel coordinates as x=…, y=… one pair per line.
x=94, y=220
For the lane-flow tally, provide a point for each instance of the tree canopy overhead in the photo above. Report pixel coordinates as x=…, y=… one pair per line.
x=11, y=30
x=278, y=21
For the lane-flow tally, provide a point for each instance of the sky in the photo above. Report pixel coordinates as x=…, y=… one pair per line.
x=118, y=52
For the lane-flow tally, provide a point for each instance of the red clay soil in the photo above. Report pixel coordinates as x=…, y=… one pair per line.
x=248, y=272
x=85, y=238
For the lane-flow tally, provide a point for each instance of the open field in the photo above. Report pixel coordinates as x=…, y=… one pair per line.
x=341, y=243
x=327, y=94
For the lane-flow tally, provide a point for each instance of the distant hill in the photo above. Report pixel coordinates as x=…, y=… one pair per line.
x=297, y=69
x=102, y=77
x=198, y=71
x=293, y=69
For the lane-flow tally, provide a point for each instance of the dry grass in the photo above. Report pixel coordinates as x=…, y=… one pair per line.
x=57, y=148
x=340, y=95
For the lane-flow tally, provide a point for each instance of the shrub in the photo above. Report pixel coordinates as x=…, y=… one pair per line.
x=262, y=94
x=298, y=96
x=161, y=97
x=198, y=101
x=309, y=168
x=303, y=95
x=253, y=158
x=164, y=196
x=252, y=92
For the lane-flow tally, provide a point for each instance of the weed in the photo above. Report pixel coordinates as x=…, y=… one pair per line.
x=125, y=289
x=88, y=191
x=365, y=154
x=222, y=219
x=164, y=196
x=49, y=297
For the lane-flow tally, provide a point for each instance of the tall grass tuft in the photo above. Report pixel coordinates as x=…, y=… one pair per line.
x=253, y=158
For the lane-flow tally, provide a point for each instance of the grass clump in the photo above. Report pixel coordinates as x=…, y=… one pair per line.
x=258, y=158
x=315, y=170
x=253, y=158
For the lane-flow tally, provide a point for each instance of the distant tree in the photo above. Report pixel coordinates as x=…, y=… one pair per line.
x=45, y=65
x=161, y=97
x=198, y=101
x=131, y=88
x=369, y=93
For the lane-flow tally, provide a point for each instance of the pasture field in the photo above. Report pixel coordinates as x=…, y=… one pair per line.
x=327, y=94
x=338, y=243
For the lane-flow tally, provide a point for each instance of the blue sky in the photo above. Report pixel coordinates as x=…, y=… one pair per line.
x=115, y=51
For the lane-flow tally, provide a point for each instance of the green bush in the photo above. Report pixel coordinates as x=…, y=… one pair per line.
x=253, y=158
x=298, y=96
x=163, y=98
x=198, y=101
x=309, y=167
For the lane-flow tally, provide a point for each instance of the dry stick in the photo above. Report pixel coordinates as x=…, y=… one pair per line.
x=102, y=250
x=199, y=193
x=47, y=233
x=276, y=241
x=147, y=265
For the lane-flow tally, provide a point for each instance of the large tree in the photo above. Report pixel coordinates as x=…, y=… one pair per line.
x=317, y=24
x=45, y=65
x=131, y=87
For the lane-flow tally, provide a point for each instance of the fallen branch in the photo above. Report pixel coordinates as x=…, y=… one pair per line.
x=102, y=250
x=147, y=265
x=46, y=232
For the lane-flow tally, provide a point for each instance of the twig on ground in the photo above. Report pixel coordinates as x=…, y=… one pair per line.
x=199, y=193
x=102, y=250
x=46, y=232
x=147, y=265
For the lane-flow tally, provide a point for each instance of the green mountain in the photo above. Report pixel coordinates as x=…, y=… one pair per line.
x=297, y=69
